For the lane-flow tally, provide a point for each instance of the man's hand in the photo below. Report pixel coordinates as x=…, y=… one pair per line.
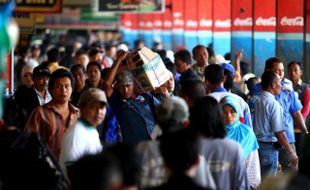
x=294, y=158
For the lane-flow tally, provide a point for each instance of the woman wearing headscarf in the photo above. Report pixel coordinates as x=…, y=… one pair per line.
x=245, y=136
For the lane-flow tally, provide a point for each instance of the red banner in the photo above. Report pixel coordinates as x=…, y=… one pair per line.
x=222, y=15
x=242, y=15
x=167, y=16
x=190, y=13
x=204, y=14
x=265, y=16
x=290, y=16
x=178, y=14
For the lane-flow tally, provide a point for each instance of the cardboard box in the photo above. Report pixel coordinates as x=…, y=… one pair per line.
x=148, y=69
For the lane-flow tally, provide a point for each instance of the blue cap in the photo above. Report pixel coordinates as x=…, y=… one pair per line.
x=229, y=67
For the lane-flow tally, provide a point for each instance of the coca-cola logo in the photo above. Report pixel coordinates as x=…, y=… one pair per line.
x=271, y=21
x=157, y=23
x=128, y=23
x=149, y=24
x=243, y=22
x=178, y=22
x=222, y=23
x=191, y=23
x=296, y=21
x=141, y=24
x=205, y=23
x=167, y=24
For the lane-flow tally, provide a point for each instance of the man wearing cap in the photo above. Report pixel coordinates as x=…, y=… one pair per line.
x=134, y=113
x=52, y=119
x=83, y=137
x=38, y=94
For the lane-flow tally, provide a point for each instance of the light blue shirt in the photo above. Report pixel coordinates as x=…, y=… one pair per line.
x=290, y=103
x=268, y=115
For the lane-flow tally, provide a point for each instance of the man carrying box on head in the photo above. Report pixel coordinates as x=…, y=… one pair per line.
x=134, y=112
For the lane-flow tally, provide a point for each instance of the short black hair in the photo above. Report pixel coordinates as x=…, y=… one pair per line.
x=270, y=62
x=229, y=82
x=60, y=73
x=53, y=55
x=193, y=89
x=268, y=78
x=184, y=55
x=180, y=150
x=197, y=47
x=94, y=172
x=206, y=117
x=244, y=67
x=210, y=51
x=76, y=67
x=95, y=63
x=297, y=63
x=214, y=74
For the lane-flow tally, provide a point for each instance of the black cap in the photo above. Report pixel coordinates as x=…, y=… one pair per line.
x=41, y=71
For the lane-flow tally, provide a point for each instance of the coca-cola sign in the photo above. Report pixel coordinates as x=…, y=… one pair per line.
x=296, y=21
x=222, y=23
x=191, y=24
x=271, y=21
x=205, y=23
x=243, y=22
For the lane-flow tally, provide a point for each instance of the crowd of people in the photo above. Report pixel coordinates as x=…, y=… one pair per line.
x=212, y=125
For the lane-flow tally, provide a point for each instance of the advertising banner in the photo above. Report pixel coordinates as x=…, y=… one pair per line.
x=178, y=24
x=242, y=26
x=204, y=16
x=264, y=33
x=191, y=24
x=290, y=25
x=141, y=6
x=306, y=72
x=26, y=22
x=221, y=26
x=167, y=26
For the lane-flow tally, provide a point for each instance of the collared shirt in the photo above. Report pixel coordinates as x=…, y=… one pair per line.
x=268, y=115
x=303, y=91
x=200, y=71
x=290, y=103
x=245, y=115
x=50, y=125
x=43, y=100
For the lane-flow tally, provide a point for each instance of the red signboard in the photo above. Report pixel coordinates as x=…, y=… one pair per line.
x=178, y=14
x=190, y=15
x=242, y=15
x=204, y=14
x=222, y=15
x=290, y=16
x=308, y=17
x=265, y=16
x=167, y=16
x=157, y=21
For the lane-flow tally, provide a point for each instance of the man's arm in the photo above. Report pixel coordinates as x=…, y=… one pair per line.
x=284, y=142
x=299, y=121
x=108, y=82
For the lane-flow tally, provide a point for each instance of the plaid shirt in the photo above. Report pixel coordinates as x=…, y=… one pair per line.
x=47, y=122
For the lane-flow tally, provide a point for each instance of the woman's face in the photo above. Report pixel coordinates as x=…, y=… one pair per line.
x=229, y=114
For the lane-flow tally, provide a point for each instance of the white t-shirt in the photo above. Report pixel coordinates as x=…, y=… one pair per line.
x=78, y=141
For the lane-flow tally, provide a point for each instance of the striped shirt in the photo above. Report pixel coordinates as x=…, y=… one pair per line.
x=50, y=124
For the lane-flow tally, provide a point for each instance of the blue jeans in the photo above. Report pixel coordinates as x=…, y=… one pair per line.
x=268, y=157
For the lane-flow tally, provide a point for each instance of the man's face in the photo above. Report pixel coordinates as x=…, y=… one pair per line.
x=94, y=114
x=201, y=56
x=40, y=83
x=62, y=90
x=277, y=86
x=126, y=91
x=279, y=69
x=180, y=65
x=27, y=79
x=82, y=60
x=294, y=72
x=94, y=75
x=79, y=77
